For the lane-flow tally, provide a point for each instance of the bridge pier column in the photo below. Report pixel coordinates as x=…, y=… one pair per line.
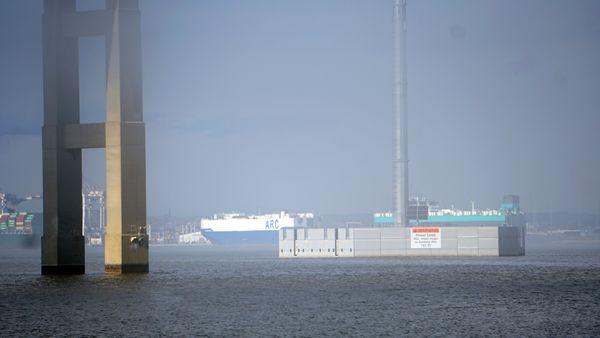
x=126, y=247
x=62, y=240
x=123, y=136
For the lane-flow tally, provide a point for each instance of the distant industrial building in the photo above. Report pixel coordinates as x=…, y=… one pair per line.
x=193, y=238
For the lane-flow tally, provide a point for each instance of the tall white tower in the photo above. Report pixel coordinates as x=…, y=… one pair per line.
x=400, y=107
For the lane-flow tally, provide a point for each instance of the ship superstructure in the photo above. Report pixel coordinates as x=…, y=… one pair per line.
x=430, y=213
x=236, y=228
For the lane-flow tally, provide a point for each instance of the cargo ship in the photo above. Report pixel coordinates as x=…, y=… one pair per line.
x=235, y=228
x=424, y=212
x=16, y=229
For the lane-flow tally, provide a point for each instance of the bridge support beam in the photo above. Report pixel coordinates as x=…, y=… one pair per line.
x=123, y=137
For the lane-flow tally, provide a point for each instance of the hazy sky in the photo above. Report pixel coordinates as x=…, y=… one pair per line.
x=266, y=105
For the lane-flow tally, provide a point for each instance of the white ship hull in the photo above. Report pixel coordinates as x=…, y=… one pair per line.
x=253, y=229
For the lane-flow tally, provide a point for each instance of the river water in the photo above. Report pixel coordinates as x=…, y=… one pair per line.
x=235, y=291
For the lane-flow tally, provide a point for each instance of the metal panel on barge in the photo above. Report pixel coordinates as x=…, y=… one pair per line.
x=402, y=241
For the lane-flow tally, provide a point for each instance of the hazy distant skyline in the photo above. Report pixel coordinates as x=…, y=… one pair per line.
x=266, y=105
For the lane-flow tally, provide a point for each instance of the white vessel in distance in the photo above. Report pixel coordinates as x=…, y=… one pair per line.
x=236, y=228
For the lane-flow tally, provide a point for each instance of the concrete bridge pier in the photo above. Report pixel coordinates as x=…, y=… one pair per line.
x=122, y=135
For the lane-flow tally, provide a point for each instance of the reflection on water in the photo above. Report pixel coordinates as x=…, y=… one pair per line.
x=552, y=291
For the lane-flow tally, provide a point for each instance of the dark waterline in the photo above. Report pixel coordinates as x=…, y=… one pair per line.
x=553, y=291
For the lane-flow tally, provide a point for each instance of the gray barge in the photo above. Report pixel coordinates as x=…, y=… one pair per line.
x=507, y=240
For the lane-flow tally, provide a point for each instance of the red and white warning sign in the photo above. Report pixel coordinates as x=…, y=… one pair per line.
x=425, y=238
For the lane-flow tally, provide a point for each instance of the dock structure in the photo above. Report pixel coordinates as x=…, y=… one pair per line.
x=402, y=241
x=122, y=135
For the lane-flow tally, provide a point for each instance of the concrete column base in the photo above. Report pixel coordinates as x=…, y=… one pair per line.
x=126, y=268
x=63, y=255
x=63, y=269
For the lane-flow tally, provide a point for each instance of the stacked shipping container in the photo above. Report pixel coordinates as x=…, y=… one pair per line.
x=16, y=223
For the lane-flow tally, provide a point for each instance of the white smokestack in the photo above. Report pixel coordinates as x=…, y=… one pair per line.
x=400, y=107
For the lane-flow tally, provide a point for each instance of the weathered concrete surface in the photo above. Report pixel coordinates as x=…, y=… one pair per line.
x=123, y=136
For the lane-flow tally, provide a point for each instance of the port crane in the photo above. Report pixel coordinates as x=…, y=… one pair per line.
x=8, y=202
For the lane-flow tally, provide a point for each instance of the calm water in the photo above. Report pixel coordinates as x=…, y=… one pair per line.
x=553, y=291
